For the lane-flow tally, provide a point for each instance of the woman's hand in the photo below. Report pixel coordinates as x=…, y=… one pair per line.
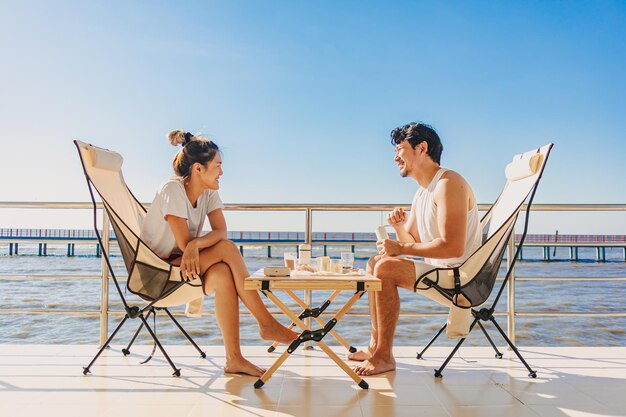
x=190, y=262
x=389, y=247
x=397, y=218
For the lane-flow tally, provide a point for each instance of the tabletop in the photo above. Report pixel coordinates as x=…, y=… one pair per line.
x=312, y=281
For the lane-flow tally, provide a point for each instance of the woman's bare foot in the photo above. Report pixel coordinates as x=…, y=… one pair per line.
x=276, y=332
x=361, y=355
x=376, y=365
x=242, y=366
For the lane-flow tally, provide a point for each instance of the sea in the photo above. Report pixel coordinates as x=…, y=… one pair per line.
x=52, y=297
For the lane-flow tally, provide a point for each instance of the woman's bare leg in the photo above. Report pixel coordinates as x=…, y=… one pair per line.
x=363, y=355
x=227, y=252
x=218, y=278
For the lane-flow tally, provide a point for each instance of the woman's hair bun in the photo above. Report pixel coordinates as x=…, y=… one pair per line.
x=176, y=137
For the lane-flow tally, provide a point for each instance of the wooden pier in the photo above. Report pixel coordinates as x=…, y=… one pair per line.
x=549, y=243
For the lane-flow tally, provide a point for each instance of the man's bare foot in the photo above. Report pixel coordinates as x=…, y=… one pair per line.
x=277, y=333
x=376, y=365
x=361, y=355
x=242, y=366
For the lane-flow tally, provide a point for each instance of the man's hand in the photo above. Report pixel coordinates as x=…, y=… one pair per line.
x=397, y=218
x=190, y=262
x=389, y=247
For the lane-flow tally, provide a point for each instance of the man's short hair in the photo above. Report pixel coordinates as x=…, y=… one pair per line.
x=417, y=133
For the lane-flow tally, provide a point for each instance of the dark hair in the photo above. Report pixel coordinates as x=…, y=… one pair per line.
x=417, y=133
x=195, y=149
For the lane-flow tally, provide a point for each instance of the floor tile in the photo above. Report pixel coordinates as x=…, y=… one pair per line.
x=307, y=394
x=230, y=410
x=319, y=410
x=571, y=411
x=553, y=394
x=483, y=396
x=152, y=410
x=516, y=410
x=398, y=395
x=404, y=411
x=612, y=396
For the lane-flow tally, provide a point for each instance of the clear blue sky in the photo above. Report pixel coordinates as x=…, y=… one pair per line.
x=301, y=96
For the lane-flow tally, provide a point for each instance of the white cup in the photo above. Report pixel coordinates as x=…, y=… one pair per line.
x=347, y=261
x=290, y=260
x=323, y=264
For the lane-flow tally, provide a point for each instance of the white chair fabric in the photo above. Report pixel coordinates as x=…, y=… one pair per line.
x=479, y=272
x=149, y=276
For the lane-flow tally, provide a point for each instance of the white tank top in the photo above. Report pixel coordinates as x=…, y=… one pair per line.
x=428, y=228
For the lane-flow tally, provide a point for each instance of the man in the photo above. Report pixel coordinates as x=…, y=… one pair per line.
x=442, y=227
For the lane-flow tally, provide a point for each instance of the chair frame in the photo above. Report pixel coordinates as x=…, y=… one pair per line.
x=131, y=311
x=487, y=314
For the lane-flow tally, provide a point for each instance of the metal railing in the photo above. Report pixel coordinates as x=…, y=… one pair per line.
x=309, y=210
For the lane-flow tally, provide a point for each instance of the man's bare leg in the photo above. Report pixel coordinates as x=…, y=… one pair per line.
x=363, y=355
x=394, y=273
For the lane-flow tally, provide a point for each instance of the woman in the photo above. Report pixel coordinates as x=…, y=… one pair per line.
x=172, y=229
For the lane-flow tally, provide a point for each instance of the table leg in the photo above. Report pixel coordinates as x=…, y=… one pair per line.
x=330, y=299
x=267, y=375
x=313, y=312
x=360, y=381
x=348, y=305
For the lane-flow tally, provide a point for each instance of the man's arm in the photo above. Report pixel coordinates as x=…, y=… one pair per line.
x=406, y=230
x=410, y=233
x=452, y=197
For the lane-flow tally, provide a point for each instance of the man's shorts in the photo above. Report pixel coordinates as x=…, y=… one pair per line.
x=459, y=319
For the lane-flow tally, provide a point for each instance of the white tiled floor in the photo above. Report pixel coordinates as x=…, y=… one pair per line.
x=37, y=380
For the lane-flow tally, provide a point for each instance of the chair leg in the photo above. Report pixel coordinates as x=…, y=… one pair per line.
x=202, y=354
x=105, y=345
x=458, y=345
x=126, y=351
x=531, y=373
x=158, y=343
x=498, y=354
x=420, y=354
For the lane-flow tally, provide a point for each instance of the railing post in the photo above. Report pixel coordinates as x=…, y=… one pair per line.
x=511, y=293
x=104, y=297
x=308, y=298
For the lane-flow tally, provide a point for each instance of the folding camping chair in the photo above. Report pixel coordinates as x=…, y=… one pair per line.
x=158, y=283
x=475, y=279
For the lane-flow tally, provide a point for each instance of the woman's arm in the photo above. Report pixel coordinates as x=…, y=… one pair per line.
x=190, y=262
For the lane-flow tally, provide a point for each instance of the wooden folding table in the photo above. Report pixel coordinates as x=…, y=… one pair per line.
x=307, y=281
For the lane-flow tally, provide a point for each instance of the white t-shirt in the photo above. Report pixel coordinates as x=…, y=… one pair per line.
x=171, y=199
